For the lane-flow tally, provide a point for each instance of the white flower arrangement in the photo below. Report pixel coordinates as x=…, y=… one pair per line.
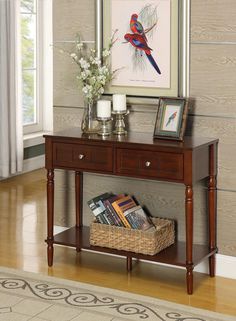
x=94, y=73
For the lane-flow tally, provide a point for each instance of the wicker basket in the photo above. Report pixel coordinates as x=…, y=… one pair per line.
x=145, y=242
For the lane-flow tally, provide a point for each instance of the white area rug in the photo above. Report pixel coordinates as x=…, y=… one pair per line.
x=28, y=296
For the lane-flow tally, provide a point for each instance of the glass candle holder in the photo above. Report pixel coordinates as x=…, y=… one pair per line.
x=105, y=126
x=119, y=122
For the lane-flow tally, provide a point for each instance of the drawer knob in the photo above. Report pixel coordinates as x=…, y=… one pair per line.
x=81, y=156
x=148, y=164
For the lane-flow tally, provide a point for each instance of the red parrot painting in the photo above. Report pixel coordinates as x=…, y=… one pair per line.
x=140, y=43
x=171, y=118
x=136, y=26
x=142, y=52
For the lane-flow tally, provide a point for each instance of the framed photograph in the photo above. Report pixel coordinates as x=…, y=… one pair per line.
x=171, y=118
x=146, y=51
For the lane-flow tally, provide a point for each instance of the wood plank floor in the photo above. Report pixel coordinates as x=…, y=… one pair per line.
x=22, y=246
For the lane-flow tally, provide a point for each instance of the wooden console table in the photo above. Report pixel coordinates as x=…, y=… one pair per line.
x=136, y=155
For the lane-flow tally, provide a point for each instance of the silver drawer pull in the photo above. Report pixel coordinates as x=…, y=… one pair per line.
x=81, y=156
x=148, y=164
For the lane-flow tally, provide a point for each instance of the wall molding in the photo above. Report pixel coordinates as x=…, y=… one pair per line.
x=214, y=43
x=225, y=266
x=32, y=164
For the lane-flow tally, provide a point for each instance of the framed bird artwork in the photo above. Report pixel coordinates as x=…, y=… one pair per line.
x=171, y=118
x=146, y=48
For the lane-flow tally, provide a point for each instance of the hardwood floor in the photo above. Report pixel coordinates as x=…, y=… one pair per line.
x=22, y=246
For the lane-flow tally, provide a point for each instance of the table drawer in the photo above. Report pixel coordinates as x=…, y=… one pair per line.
x=150, y=164
x=84, y=157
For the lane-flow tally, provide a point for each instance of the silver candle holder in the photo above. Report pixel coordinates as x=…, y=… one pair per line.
x=105, y=127
x=119, y=122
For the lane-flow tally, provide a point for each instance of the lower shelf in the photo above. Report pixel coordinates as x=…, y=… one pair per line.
x=173, y=255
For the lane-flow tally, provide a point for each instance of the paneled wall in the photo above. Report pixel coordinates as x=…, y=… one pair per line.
x=212, y=87
x=213, y=84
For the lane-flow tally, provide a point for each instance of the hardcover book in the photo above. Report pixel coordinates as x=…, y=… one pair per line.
x=121, y=205
x=138, y=219
x=108, y=205
x=99, y=210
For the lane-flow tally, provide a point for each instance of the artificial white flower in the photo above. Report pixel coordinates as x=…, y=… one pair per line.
x=93, y=73
x=87, y=89
x=79, y=46
x=85, y=74
x=82, y=61
x=73, y=55
x=84, y=64
x=89, y=96
x=97, y=61
x=92, y=80
x=103, y=70
x=101, y=90
x=101, y=79
x=106, y=53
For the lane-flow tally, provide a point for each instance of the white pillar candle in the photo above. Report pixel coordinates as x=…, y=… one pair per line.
x=104, y=108
x=119, y=102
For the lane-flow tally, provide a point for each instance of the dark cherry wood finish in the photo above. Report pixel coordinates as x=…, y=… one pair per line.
x=136, y=155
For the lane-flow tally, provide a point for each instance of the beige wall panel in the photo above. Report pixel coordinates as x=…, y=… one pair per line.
x=215, y=127
x=227, y=166
x=213, y=20
x=74, y=16
x=66, y=90
x=225, y=130
x=226, y=223
x=64, y=199
x=213, y=79
x=65, y=118
x=141, y=121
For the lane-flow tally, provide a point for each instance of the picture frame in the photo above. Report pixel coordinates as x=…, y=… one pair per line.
x=136, y=76
x=171, y=118
x=179, y=14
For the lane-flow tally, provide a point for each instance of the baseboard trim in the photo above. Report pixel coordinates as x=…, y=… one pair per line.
x=29, y=165
x=34, y=163
x=225, y=265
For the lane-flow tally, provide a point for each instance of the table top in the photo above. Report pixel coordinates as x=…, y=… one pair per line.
x=189, y=142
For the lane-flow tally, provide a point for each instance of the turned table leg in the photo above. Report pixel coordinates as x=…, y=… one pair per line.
x=50, y=215
x=78, y=206
x=212, y=209
x=129, y=263
x=189, y=237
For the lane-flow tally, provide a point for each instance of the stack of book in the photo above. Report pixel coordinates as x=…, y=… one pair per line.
x=119, y=210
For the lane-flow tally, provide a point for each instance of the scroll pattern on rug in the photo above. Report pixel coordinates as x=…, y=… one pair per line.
x=89, y=300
